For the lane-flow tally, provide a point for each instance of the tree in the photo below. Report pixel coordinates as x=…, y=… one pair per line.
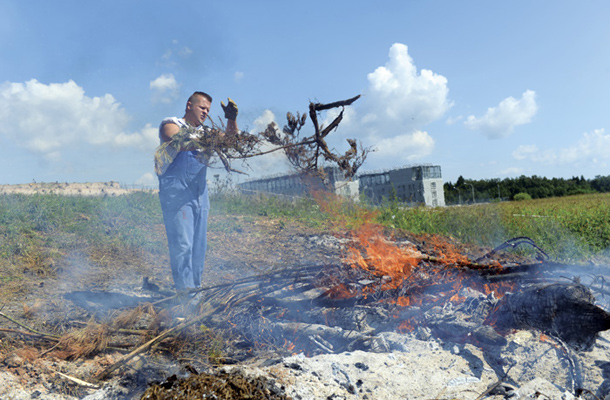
x=460, y=181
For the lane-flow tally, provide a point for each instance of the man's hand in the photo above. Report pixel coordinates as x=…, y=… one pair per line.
x=230, y=110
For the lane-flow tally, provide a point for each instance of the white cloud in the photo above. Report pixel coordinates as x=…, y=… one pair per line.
x=399, y=102
x=525, y=151
x=500, y=121
x=164, y=82
x=185, y=52
x=403, y=98
x=49, y=119
x=593, y=148
x=238, y=76
x=145, y=140
x=454, y=120
x=165, y=88
x=406, y=147
x=147, y=180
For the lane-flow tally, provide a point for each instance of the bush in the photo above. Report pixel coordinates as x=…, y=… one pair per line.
x=522, y=196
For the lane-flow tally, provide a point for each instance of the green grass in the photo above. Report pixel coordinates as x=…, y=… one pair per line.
x=301, y=209
x=36, y=230
x=568, y=228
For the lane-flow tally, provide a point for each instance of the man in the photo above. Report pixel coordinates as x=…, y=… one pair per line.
x=183, y=192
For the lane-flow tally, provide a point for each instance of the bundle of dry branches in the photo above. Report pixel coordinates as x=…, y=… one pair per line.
x=306, y=154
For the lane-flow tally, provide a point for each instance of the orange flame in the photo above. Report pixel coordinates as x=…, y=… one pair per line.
x=288, y=345
x=374, y=254
x=406, y=326
x=394, y=264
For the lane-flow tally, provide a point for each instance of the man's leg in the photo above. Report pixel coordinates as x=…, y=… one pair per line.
x=200, y=245
x=179, y=227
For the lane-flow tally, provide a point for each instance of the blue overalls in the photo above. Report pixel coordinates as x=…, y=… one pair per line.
x=185, y=204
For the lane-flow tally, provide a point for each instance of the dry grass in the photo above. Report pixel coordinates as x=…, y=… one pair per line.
x=80, y=343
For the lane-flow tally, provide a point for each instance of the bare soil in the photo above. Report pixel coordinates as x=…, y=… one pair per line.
x=43, y=313
x=60, y=331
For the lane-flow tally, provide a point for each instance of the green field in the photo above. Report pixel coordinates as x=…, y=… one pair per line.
x=569, y=229
x=37, y=229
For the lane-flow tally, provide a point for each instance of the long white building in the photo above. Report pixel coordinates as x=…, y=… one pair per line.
x=420, y=184
x=303, y=184
x=413, y=185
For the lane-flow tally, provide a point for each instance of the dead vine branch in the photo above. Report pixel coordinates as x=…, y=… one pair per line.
x=307, y=154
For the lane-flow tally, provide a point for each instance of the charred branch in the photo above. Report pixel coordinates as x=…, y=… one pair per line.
x=342, y=103
x=565, y=311
x=514, y=243
x=306, y=154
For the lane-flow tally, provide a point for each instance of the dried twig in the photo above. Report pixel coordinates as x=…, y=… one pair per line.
x=31, y=330
x=79, y=382
x=204, y=313
x=25, y=333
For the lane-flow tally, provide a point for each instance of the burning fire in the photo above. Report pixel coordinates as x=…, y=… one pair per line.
x=382, y=258
x=405, y=270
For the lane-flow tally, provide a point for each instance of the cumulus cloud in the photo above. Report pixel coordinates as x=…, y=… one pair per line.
x=408, y=146
x=593, y=147
x=404, y=98
x=165, y=88
x=399, y=101
x=525, y=151
x=48, y=119
x=500, y=121
x=142, y=140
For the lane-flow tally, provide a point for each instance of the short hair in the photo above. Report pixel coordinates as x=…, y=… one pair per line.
x=200, y=94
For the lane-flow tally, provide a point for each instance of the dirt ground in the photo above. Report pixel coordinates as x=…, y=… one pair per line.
x=59, y=333
x=42, y=358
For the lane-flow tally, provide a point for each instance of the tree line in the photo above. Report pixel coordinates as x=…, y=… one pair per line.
x=466, y=191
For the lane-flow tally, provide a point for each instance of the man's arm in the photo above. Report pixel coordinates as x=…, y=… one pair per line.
x=168, y=130
x=231, y=115
x=232, y=127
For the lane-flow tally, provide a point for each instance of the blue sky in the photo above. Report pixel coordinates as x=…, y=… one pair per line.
x=485, y=89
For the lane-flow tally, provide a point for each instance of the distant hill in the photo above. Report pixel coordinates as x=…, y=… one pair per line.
x=75, y=189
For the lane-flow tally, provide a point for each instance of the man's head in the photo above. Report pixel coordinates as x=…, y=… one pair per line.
x=197, y=108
